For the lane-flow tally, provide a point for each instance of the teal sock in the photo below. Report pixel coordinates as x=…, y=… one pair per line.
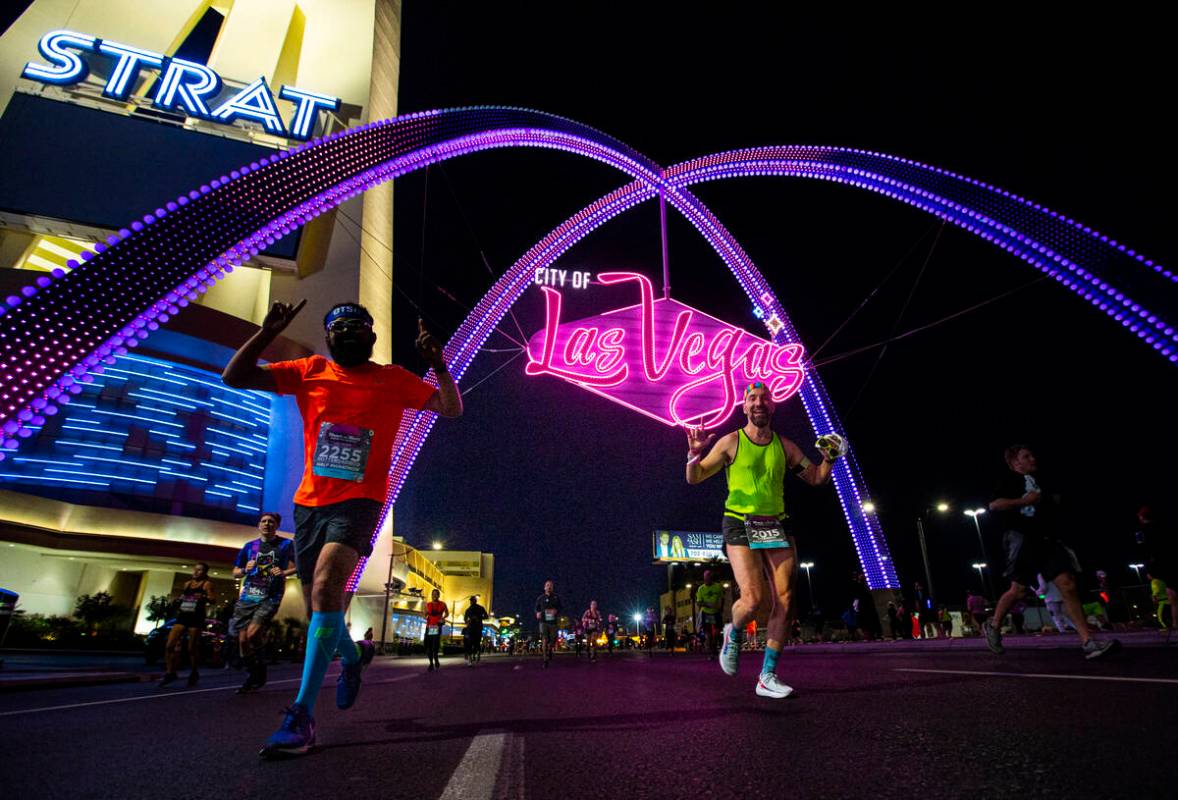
x=737, y=635
x=322, y=637
x=770, y=663
x=349, y=653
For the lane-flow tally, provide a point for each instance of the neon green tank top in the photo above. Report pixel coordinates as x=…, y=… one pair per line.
x=756, y=478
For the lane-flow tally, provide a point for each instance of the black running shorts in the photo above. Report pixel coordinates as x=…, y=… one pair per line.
x=349, y=522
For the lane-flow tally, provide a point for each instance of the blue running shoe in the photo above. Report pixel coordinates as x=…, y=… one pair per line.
x=729, y=653
x=348, y=686
x=294, y=737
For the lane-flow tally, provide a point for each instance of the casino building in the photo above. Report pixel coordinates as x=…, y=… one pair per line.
x=108, y=108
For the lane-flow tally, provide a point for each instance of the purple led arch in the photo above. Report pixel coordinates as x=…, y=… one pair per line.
x=52, y=334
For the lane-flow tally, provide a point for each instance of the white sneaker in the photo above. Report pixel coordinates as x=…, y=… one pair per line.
x=769, y=685
x=729, y=652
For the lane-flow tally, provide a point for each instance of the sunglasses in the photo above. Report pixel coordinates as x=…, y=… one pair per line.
x=348, y=324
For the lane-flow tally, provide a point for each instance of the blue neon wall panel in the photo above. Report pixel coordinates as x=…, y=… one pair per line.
x=151, y=435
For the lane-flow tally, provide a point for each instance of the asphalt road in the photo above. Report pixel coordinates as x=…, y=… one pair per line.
x=884, y=721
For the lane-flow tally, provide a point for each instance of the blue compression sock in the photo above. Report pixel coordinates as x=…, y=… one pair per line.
x=322, y=637
x=770, y=663
x=737, y=635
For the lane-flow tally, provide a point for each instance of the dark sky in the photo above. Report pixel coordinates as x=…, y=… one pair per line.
x=559, y=483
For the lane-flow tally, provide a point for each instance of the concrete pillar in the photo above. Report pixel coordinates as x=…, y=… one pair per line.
x=376, y=238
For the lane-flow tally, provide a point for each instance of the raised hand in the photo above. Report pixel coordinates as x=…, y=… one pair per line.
x=698, y=439
x=832, y=446
x=429, y=348
x=280, y=315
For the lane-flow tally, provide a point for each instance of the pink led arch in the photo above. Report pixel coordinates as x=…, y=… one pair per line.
x=55, y=331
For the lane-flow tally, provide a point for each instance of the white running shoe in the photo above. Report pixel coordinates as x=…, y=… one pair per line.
x=769, y=685
x=729, y=652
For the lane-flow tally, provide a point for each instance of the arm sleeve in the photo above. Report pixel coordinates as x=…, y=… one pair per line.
x=795, y=460
x=288, y=375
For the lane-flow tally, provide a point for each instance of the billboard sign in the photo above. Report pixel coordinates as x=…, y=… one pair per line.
x=672, y=546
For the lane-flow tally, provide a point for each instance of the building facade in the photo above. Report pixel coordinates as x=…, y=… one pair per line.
x=109, y=108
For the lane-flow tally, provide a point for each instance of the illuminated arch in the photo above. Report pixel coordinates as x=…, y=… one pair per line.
x=56, y=331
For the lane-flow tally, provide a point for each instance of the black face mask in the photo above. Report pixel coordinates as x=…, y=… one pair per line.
x=350, y=350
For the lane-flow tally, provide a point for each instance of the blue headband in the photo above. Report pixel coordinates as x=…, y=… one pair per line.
x=347, y=310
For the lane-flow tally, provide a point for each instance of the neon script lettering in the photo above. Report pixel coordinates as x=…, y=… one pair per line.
x=662, y=358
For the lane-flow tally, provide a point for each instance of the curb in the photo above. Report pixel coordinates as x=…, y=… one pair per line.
x=65, y=681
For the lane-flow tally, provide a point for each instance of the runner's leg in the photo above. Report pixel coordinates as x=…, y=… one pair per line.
x=194, y=648
x=746, y=568
x=1071, y=602
x=327, y=629
x=780, y=566
x=172, y=649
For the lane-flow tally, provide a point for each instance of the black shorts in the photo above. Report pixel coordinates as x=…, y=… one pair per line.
x=735, y=533
x=348, y=522
x=258, y=613
x=1029, y=555
x=190, y=620
x=548, y=631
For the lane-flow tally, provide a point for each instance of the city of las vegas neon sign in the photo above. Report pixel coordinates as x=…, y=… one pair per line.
x=183, y=85
x=662, y=358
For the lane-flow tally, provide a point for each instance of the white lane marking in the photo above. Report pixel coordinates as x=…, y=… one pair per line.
x=510, y=782
x=1113, y=678
x=162, y=695
x=474, y=777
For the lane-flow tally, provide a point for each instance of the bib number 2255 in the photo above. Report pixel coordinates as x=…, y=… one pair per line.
x=341, y=451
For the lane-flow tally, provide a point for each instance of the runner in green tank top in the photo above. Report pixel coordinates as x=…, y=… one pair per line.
x=760, y=548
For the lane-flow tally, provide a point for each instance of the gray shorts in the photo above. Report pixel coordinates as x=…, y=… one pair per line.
x=548, y=631
x=259, y=613
x=348, y=522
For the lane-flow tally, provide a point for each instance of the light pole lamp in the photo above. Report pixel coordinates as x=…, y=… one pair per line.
x=809, y=565
x=981, y=577
x=1137, y=568
x=974, y=513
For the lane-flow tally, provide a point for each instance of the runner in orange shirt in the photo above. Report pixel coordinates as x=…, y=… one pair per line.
x=351, y=411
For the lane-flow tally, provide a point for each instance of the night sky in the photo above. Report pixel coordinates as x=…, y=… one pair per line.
x=560, y=483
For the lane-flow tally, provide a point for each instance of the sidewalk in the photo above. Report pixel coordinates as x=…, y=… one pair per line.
x=36, y=669
x=1009, y=641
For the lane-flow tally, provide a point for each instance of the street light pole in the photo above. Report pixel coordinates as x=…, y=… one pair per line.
x=807, y=565
x=388, y=592
x=981, y=575
x=974, y=513
x=928, y=573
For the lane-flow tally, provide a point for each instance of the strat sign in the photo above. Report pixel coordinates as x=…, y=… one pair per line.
x=183, y=85
x=662, y=358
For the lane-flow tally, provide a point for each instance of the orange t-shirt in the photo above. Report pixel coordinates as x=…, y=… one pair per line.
x=350, y=420
x=434, y=610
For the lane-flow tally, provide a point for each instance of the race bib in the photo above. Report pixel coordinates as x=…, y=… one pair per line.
x=254, y=592
x=592, y=626
x=432, y=630
x=765, y=533
x=550, y=615
x=189, y=603
x=341, y=451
